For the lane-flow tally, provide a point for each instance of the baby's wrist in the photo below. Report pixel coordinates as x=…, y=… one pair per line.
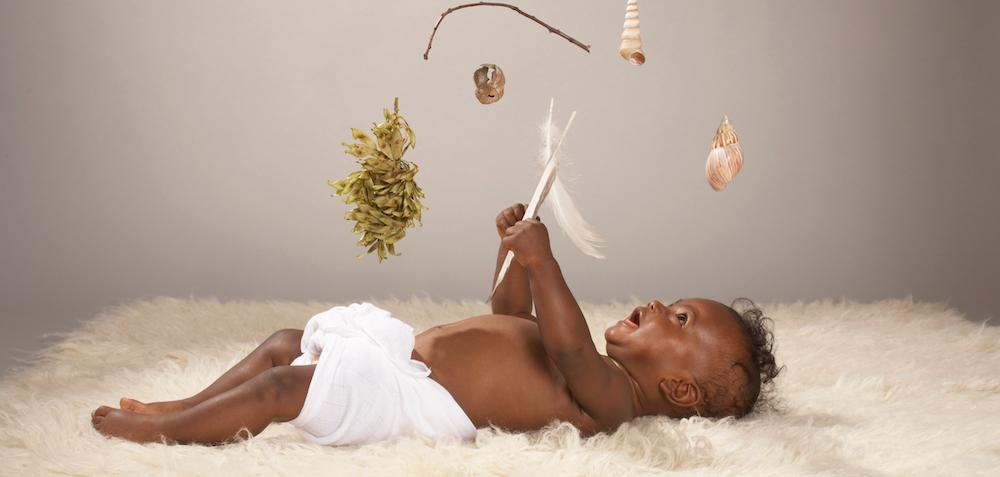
x=541, y=263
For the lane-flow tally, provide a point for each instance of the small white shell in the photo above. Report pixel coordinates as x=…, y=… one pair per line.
x=726, y=157
x=631, y=47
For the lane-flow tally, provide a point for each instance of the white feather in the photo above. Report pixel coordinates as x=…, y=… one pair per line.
x=560, y=201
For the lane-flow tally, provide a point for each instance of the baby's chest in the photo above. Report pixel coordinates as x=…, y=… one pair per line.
x=503, y=377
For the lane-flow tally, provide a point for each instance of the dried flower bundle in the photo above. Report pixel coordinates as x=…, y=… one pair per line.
x=385, y=196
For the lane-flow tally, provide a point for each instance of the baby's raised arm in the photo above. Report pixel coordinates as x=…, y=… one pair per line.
x=604, y=393
x=513, y=297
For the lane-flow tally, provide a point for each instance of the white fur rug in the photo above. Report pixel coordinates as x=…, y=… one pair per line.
x=889, y=388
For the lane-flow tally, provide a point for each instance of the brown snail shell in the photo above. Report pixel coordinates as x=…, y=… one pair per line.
x=489, y=81
x=726, y=157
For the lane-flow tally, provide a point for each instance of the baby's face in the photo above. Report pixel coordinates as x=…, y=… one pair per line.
x=691, y=335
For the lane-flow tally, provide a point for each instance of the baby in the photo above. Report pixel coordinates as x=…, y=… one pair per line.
x=356, y=375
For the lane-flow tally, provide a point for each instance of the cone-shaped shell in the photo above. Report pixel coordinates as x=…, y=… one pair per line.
x=489, y=81
x=631, y=48
x=726, y=157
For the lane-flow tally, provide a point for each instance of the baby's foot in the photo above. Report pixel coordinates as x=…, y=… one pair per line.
x=126, y=425
x=165, y=407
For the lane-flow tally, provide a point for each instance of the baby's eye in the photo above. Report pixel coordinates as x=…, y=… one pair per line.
x=682, y=318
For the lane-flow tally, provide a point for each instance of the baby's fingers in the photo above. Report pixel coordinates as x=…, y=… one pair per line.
x=515, y=229
x=510, y=218
x=518, y=210
x=509, y=241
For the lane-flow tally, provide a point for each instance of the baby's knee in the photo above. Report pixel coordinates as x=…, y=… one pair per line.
x=285, y=345
x=286, y=336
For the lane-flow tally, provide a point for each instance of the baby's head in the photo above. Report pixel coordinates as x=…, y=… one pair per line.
x=696, y=356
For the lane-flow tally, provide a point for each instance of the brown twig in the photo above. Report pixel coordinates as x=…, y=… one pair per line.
x=548, y=27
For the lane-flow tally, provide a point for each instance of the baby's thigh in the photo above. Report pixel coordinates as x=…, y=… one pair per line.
x=290, y=385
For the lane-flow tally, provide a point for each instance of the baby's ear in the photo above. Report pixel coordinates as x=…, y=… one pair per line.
x=681, y=391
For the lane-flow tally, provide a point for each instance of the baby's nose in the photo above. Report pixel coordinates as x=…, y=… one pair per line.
x=655, y=305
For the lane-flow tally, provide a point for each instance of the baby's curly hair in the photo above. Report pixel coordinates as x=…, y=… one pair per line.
x=737, y=393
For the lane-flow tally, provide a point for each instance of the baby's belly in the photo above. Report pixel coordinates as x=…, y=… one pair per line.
x=496, y=368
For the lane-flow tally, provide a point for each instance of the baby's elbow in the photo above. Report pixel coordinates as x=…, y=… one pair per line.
x=597, y=427
x=612, y=427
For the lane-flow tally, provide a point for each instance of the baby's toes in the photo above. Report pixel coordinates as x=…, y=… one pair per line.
x=97, y=416
x=129, y=404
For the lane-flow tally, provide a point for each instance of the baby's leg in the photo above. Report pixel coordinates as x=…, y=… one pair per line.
x=276, y=394
x=278, y=350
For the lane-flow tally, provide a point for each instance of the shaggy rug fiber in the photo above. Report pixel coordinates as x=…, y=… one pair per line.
x=887, y=388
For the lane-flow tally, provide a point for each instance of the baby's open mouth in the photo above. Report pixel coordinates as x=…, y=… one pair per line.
x=633, y=318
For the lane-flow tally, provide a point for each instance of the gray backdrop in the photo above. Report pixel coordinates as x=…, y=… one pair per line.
x=182, y=148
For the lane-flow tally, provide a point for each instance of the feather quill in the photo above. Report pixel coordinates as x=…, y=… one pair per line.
x=549, y=186
x=541, y=192
x=561, y=203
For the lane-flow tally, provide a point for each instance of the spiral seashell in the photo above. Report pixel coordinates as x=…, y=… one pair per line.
x=489, y=81
x=631, y=48
x=726, y=158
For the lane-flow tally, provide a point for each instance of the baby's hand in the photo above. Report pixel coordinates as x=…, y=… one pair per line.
x=529, y=240
x=508, y=217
